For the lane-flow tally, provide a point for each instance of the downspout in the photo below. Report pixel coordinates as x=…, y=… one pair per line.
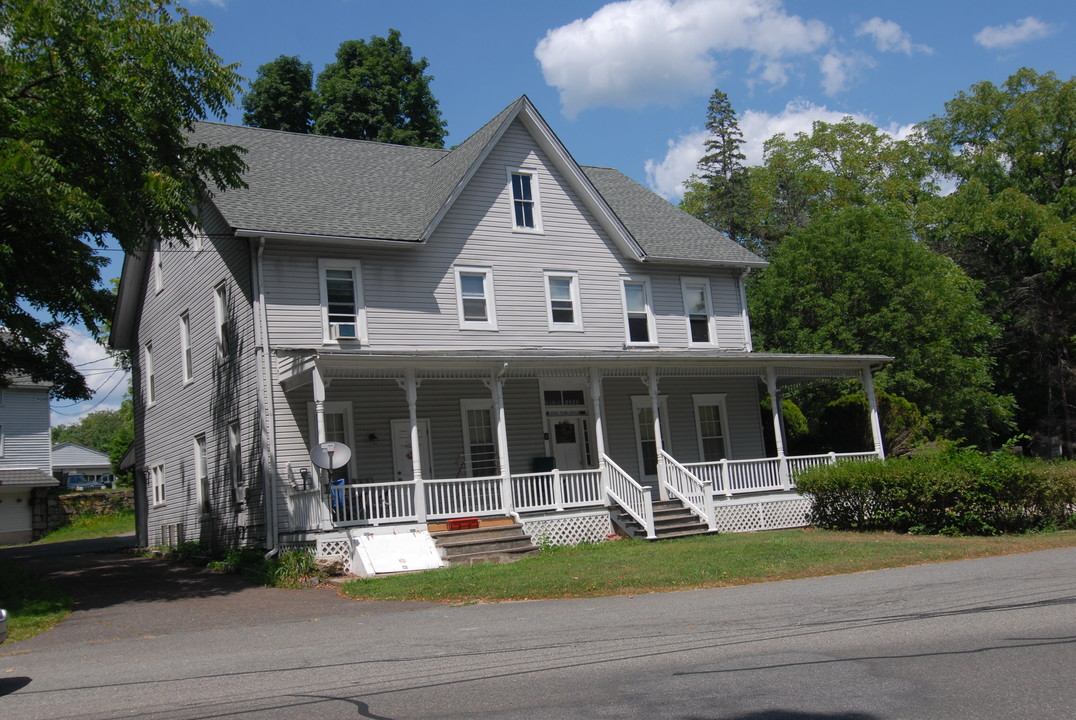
x=265, y=403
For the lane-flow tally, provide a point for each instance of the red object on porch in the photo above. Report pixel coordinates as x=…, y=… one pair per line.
x=463, y=524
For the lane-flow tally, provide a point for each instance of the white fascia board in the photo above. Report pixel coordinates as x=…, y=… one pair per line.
x=130, y=290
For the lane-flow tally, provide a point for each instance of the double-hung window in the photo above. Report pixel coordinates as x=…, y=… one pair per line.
x=638, y=312
x=343, y=314
x=562, y=300
x=698, y=311
x=220, y=315
x=151, y=380
x=526, y=213
x=480, y=441
x=710, y=424
x=158, y=266
x=474, y=298
x=187, y=357
x=201, y=473
x=156, y=478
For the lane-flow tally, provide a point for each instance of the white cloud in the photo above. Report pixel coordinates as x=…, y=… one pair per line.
x=890, y=37
x=841, y=70
x=108, y=382
x=999, y=37
x=638, y=52
x=666, y=176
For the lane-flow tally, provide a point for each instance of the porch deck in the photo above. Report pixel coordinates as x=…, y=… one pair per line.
x=707, y=489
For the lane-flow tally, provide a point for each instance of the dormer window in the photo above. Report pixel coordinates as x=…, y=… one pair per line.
x=525, y=211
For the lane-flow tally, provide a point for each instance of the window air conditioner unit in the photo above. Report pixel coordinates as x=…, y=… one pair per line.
x=342, y=331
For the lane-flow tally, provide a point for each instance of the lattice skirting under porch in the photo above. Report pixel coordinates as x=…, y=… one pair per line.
x=335, y=546
x=762, y=514
x=568, y=528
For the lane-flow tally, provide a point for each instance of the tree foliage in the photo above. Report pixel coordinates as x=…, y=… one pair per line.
x=720, y=194
x=377, y=91
x=1011, y=223
x=282, y=96
x=856, y=281
x=95, y=430
x=96, y=101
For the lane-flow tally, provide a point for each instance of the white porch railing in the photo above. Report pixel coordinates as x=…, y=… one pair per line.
x=308, y=510
x=630, y=495
x=557, y=490
x=734, y=477
x=693, y=483
x=696, y=495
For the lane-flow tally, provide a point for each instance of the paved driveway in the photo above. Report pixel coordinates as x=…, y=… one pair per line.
x=120, y=595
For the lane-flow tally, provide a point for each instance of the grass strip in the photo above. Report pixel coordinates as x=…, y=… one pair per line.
x=630, y=567
x=33, y=606
x=87, y=526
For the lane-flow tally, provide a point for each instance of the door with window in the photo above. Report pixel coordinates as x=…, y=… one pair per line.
x=646, y=444
x=402, y=456
x=568, y=436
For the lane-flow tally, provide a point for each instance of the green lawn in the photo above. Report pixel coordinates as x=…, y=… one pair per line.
x=32, y=605
x=627, y=567
x=85, y=527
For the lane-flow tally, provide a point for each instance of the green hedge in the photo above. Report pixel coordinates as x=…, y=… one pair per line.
x=952, y=492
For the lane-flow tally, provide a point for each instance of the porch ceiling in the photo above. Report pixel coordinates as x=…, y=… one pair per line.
x=296, y=364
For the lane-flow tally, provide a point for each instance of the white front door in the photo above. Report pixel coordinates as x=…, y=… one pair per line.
x=567, y=437
x=401, y=449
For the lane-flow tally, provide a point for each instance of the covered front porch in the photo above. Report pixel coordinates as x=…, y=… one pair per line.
x=542, y=435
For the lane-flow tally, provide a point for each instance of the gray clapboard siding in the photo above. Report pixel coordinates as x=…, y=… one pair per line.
x=410, y=292
x=218, y=394
x=24, y=418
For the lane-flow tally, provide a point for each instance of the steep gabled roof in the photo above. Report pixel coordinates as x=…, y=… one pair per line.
x=317, y=186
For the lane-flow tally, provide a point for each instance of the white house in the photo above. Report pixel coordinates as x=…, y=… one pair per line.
x=25, y=457
x=492, y=331
x=70, y=458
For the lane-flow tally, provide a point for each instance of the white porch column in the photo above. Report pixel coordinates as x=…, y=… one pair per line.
x=497, y=387
x=778, y=429
x=596, y=408
x=872, y=403
x=319, y=403
x=655, y=405
x=411, y=389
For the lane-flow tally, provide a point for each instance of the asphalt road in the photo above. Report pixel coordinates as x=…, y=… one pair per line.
x=993, y=638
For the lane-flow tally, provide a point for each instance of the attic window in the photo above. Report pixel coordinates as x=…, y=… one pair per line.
x=526, y=214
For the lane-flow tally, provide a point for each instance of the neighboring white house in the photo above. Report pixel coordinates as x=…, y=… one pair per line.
x=69, y=458
x=25, y=456
x=491, y=330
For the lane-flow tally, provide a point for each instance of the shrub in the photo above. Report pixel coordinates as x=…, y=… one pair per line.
x=949, y=491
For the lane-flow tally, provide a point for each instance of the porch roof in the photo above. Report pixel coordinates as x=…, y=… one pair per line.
x=297, y=364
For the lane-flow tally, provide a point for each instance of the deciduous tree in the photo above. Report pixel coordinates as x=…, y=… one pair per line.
x=282, y=97
x=96, y=101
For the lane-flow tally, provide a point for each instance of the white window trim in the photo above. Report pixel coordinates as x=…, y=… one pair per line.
x=467, y=404
x=643, y=401
x=650, y=324
x=1, y=440
x=220, y=316
x=536, y=203
x=705, y=400
x=157, y=486
x=186, y=352
x=198, y=240
x=361, y=336
x=711, y=324
x=158, y=266
x=577, y=311
x=234, y=458
x=151, y=380
x=490, y=323
x=201, y=472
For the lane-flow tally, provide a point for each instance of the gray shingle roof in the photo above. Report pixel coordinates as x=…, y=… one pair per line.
x=322, y=186
x=26, y=477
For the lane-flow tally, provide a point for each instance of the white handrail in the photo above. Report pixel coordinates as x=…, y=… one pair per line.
x=630, y=495
x=694, y=493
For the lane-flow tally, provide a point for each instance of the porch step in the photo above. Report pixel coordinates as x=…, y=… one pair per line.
x=502, y=543
x=671, y=520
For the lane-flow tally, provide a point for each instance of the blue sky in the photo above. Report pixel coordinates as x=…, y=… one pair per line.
x=625, y=84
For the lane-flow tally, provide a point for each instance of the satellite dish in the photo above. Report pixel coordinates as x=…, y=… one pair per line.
x=330, y=455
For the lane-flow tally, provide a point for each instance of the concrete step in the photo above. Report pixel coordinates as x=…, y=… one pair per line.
x=491, y=556
x=498, y=543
